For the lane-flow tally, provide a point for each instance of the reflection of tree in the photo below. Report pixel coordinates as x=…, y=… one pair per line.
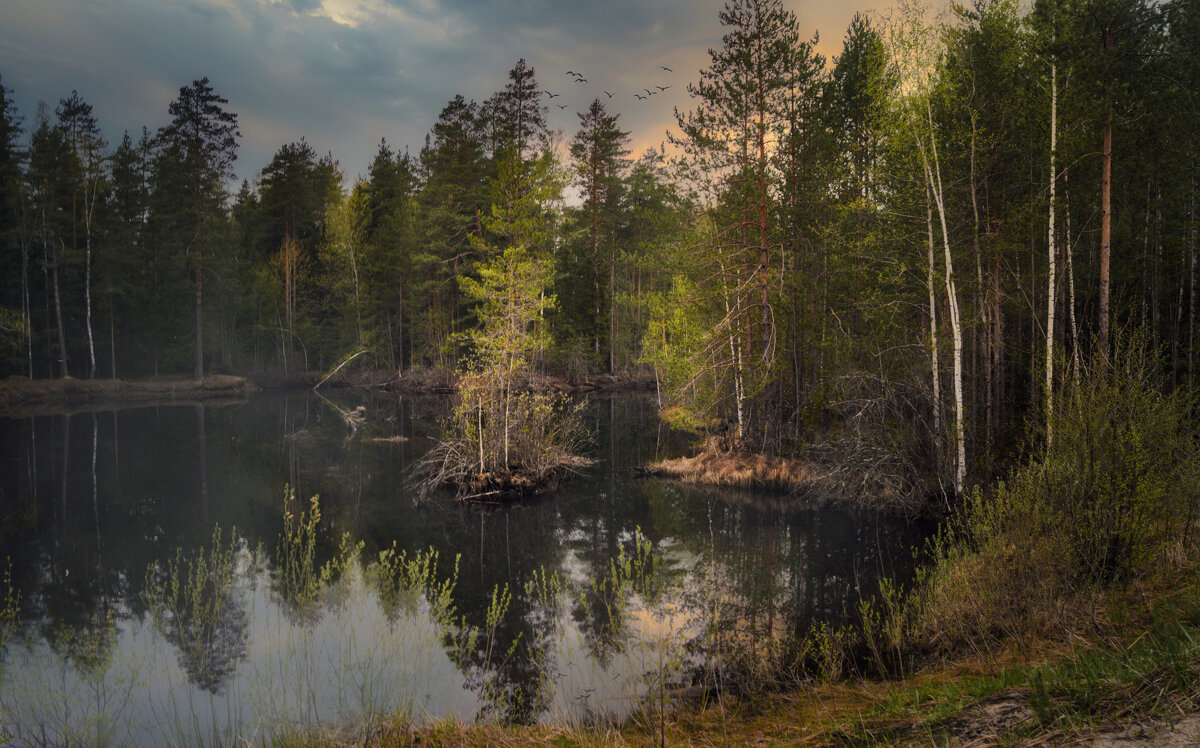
x=503, y=656
x=767, y=574
x=600, y=615
x=90, y=644
x=199, y=607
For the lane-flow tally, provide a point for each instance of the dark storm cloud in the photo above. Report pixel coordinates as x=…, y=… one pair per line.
x=344, y=73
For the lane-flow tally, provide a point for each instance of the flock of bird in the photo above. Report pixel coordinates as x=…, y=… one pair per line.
x=578, y=78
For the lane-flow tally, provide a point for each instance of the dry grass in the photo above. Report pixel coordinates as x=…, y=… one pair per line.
x=400, y=733
x=739, y=471
x=822, y=480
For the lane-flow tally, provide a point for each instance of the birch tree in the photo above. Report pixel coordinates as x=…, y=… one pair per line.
x=87, y=148
x=915, y=50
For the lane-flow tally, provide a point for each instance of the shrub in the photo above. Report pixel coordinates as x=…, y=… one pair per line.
x=1107, y=494
x=520, y=439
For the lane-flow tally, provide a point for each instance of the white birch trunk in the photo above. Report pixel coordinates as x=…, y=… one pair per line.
x=934, y=179
x=933, y=330
x=735, y=356
x=88, y=205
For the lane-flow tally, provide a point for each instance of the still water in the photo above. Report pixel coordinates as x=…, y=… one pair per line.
x=162, y=589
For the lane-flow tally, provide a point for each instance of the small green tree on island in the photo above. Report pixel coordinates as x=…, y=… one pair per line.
x=499, y=440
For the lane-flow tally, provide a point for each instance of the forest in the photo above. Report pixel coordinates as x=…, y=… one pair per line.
x=896, y=255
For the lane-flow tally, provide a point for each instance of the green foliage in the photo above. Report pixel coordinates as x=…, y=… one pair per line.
x=1107, y=496
x=401, y=581
x=10, y=605
x=198, y=604
x=521, y=438
x=1120, y=471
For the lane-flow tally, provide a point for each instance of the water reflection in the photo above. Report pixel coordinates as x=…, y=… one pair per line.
x=198, y=604
x=565, y=609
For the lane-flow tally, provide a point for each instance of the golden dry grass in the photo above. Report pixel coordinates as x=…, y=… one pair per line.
x=739, y=471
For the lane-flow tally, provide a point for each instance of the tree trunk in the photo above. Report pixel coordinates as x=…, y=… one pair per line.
x=1051, y=274
x=199, y=372
x=934, y=179
x=1106, y=200
x=26, y=311
x=62, y=331
x=1191, y=326
x=933, y=330
x=88, y=205
x=1070, y=252
x=980, y=305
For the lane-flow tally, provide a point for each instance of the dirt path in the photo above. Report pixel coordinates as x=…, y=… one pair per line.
x=987, y=722
x=1185, y=732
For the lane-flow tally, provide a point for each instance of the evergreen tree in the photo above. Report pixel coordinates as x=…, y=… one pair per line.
x=598, y=153
x=124, y=272
x=729, y=137
x=451, y=203
x=16, y=353
x=49, y=178
x=197, y=151
x=515, y=117
x=387, y=254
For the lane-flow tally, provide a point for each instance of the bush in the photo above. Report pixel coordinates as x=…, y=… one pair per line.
x=501, y=441
x=1108, y=494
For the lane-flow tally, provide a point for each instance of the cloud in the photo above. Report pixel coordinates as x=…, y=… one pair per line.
x=345, y=73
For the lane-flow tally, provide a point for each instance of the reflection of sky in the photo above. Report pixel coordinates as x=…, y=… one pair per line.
x=350, y=665
x=343, y=668
x=347, y=666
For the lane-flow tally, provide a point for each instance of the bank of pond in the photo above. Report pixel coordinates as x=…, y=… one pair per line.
x=208, y=573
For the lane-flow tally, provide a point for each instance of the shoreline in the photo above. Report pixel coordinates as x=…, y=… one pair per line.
x=25, y=397
x=801, y=480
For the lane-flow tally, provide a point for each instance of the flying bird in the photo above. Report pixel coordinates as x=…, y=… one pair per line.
x=561, y=106
x=662, y=88
x=550, y=94
x=639, y=96
x=664, y=67
x=609, y=95
x=581, y=79
x=572, y=72
x=648, y=92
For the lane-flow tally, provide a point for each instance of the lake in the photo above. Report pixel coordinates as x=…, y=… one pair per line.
x=158, y=585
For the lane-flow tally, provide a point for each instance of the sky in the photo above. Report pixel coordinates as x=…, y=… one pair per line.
x=345, y=73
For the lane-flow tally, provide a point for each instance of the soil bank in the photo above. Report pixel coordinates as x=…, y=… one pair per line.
x=20, y=397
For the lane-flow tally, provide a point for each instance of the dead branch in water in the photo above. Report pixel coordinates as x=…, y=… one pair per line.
x=337, y=369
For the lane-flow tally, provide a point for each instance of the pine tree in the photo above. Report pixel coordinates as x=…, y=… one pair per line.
x=49, y=178
x=728, y=138
x=387, y=253
x=15, y=315
x=198, y=149
x=598, y=154
x=123, y=272
x=451, y=203
x=510, y=289
x=515, y=117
